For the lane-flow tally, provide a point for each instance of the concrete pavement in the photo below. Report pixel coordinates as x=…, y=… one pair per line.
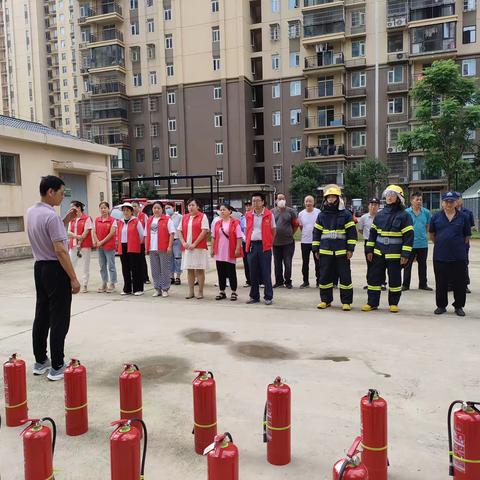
x=419, y=362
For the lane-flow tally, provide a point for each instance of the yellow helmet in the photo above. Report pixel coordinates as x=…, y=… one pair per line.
x=332, y=190
x=396, y=189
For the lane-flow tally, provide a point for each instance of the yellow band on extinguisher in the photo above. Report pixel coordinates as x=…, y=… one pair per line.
x=373, y=449
x=72, y=409
x=464, y=460
x=132, y=411
x=204, y=426
x=277, y=429
x=51, y=477
x=16, y=406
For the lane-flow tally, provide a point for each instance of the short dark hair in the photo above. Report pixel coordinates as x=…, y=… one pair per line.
x=78, y=204
x=280, y=193
x=259, y=194
x=157, y=202
x=226, y=205
x=170, y=205
x=196, y=200
x=104, y=204
x=416, y=194
x=50, y=182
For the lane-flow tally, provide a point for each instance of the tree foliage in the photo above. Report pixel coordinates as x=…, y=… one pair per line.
x=448, y=111
x=146, y=190
x=365, y=179
x=306, y=177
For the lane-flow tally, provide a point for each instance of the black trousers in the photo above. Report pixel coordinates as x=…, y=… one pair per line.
x=455, y=274
x=227, y=270
x=420, y=254
x=132, y=270
x=260, y=263
x=52, y=311
x=282, y=257
x=306, y=250
x=245, y=263
x=376, y=277
x=143, y=264
x=333, y=267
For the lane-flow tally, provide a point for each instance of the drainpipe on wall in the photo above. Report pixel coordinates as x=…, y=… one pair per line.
x=377, y=55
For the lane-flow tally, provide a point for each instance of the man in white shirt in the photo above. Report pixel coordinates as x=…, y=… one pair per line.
x=306, y=220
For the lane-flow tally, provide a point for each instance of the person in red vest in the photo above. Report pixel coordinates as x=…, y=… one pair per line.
x=226, y=248
x=193, y=233
x=259, y=235
x=80, y=242
x=130, y=237
x=158, y=245
x=104, y=239
x=143, y=218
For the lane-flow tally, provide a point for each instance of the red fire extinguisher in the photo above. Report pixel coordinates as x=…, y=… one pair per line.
x=373, y=415
x=125, y=450
x=276, y=423
x=38, y=449
x=464, y=447
x=15, y=381
x=130, y=382
x=350, y=467
x=204, y=410
x=76, y=411
x=222, y=458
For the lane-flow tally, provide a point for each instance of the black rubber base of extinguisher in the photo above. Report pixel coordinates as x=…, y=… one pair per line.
x=145, y=441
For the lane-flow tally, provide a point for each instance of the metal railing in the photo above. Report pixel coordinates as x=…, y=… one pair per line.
x=325, y=121
x=429, y=46
x=325, y=151
x=325, y=91
x=108, y=87
x=315, y=3
x=111, y=139
x=120, y=164
x=324, y=29
x=324, y=59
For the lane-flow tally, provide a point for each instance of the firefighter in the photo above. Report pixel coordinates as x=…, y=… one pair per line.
x=388, y=248
x=334, y=240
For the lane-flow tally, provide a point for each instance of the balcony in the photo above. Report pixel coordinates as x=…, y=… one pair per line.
x=397, y=57
x=354, y=3
x=397, y=14
x=107, y=88
x=325, y=151
x=330, y=122
x=324, y=92
x=326, y=60
x=356, y=62
x=119, y=164
x=105, y=13
x=434, y=47
x=397, y=87
x=111, y=139
x=323, y=29
x=352, y=31
x=356, y=122
x=318, y=3
x=95, y=66
x=356, y=92
x=429, y=9
x=113, y=114
x=357, y=151
x=109, y=35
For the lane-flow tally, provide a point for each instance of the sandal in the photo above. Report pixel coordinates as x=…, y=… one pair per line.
x=233, y=296
x=221, y=296
x=199, y=297
x=188, y=297
x=177, y=281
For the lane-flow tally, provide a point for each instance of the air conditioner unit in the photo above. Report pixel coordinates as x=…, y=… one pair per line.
x=400, y=22
x=401, y=56
x=402, y=180
x=392, y=149
x=390, y=23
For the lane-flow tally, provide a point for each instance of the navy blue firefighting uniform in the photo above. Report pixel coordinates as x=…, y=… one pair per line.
x=391, y=237
x=334, y=234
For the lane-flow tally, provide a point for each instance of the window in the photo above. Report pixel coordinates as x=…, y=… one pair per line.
x=395, y=42
x=220, y=174
x=395, y=75
x=218, y=120
x=149, y=3
x=154, y=129
x=469, y=67
x=150, y=25
x=359, y=139
x=152, y=104
x=172, y=151
x=137, y=79
x=276, y=90
x=171, y=98
x=217, y=93
x=66, y=108
x=215, y=34
x=393, y=135
x=293, y=4
x=215, y=4
x=135, y=28
x=277, y=173
x=275, y=32
x=295, y=116
x=137, y=106
x=469, y=34
x=216, y=63
x=140, y=155
x=358, y=109
x=64, y=69
x=469, y=5
x=168, y=41
x=294, y=29
x=170, y=70
x=358, y=48
x=135, y=54
x=11, y=224
x=65, y=82
x=167, y=14
x=172, y=124
x=276, y=119
x=133, y=4
x=65, y=95
x=395, y=105
x=275, y=6
x=295, y=88
x=359, y=79
x=294, y=59
x=276, y=145
x=9, y=169
x=153, y=78
x=173, y=181
x=139, y=131
x=156, y=153
x=358, y=18
x=295, y=144
x=218, y=148
x=150, y=51
x=275, y=62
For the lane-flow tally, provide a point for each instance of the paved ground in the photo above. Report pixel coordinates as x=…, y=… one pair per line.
x=418, y=362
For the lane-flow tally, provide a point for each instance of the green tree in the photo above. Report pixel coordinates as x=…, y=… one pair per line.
x=146, y=190
x=306, y=177
x=365, y=179
x=448, y=110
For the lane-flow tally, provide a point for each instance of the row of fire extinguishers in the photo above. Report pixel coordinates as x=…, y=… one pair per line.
x=366, y=459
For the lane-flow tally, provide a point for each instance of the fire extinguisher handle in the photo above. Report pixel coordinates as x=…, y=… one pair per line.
x=54, y=431
x=354, y=448
x=372, y=393
x=145, y=442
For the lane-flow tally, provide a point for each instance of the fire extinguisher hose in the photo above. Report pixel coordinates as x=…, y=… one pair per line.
x=344, y=467
x=265, y=437
x=54, y=431
x=145, y=442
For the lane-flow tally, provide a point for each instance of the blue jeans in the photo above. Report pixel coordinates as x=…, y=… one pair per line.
x=260, y=264
x=177, y=257
x=106, y=259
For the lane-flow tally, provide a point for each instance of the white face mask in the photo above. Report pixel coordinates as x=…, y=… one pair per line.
x=281, y=203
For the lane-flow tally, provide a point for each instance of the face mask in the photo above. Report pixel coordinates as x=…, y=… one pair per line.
x=169, y=211
x=281, y=203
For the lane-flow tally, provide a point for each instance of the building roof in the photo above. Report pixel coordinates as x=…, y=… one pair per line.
x=473, y=191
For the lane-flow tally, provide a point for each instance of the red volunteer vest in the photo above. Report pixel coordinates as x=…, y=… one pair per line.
x=163, y=237
x=232, y=237
x=87, y=242
x=196, y=229
x=267, y=236
x=102, y=229
x=133, y=239
x=143, y=218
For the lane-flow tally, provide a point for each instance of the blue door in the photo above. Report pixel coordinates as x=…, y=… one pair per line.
x=75, y=189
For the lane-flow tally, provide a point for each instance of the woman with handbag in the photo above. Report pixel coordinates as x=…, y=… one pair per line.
x=226, y=248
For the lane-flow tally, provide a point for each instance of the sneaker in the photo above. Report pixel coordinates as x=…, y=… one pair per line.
x=172, y=281
x=346, y=307
x=289, y=286
x=460, y=312
x=304, y=285
x=110, y=288
x=103, y=288
x=156, y=293
x=404, y=288
x=323, y=305
x=426, y=288
x=84, y=289
x=178, y=281
x=164, y=293
x=267, y=302
x=41, y=368
x=468, y=290
x=147, y=282
x=394, y=308
x=138, y=294
x=55, y=375
x=439, y=311
x=368, y=308
x=251, y=301
x=247, y=285
x=278, y=285
x=125, y=293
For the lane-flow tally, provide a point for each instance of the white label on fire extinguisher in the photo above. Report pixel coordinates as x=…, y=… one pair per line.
x=459, y=451
x=209, y=448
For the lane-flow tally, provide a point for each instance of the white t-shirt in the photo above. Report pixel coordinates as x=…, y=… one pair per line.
x=154, y=232
x=307, y=221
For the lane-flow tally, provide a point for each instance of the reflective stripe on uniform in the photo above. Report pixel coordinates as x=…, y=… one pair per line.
x=350, y=224
x=316, y=242
x=407, y=229
x=318, y=227
x=375, y=288
x=390, y=256
x=407, y=248
x=340, y=252
x=334, y=231
x=395, y=289
x=326, y=252
x=352, y=242
x=376, y=251
x=327, y=285
x=370, y=244
x=385, y=233
x=346, y=287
